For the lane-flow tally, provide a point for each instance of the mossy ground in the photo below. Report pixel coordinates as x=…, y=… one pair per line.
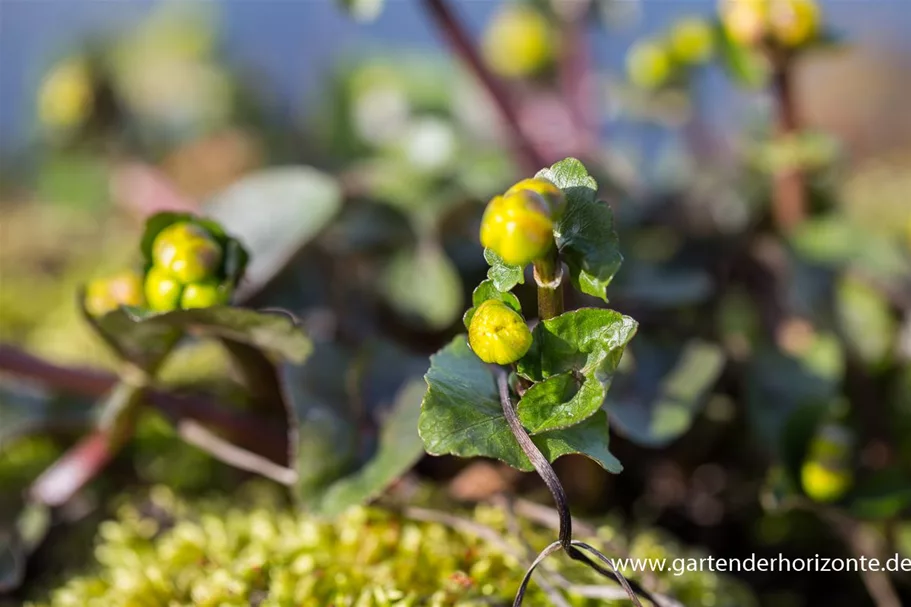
x=162, y=550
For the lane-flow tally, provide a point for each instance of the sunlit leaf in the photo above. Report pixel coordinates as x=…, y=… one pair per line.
x=585, y=230
x=424, y=284
x=573, y=358
x=462, y=415
x=501, y=274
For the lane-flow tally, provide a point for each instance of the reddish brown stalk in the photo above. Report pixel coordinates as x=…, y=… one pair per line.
x=788, y=190
x=247, y=431
x=575, y=75
x=73, y=470
x=463, y=46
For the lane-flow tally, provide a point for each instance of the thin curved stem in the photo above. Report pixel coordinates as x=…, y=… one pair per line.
x=540, y=463
x=630, y=591
x=546, y=472
x=520, y=594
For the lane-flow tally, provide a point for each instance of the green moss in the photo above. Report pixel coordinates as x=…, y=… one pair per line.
x=249, y=549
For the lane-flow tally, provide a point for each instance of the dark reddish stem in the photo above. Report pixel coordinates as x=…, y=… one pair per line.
x=789, y=191
x=247, y=431
x=575, y=76
x=74, y=469
x=462, y=44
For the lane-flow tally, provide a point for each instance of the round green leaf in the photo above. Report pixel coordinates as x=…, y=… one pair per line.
x=574, y=357
x=503, y=276
x=462, y=415
x=585, y=230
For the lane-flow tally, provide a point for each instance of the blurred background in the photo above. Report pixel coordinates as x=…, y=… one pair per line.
x=762, y=199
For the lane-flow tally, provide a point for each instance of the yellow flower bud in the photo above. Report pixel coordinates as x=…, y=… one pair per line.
x=544, y=188
x=517, y=227
x=66, y=96
x=518, y=42
x=498, y=334
x=793, y=22
x=104, y=295
x=648, y=64
x=691, y=40
x=162, y=290
x=745, y=21
x=826, y=474
x=203, y=295
x=187, y=251
x=824, y=484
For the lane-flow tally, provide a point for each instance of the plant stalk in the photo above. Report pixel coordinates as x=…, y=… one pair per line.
x=549, y=278
x=247, y=431
x=546, y=472
x=463, y=46
x=789, y=187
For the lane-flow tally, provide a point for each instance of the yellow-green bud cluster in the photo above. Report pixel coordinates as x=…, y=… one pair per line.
x=518, y=226
x=186, y=260
x=104, y=295
x=826, y=473
x=789, y=23
x=651, y=62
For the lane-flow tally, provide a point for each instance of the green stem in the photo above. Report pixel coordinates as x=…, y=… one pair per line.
x=549, y=278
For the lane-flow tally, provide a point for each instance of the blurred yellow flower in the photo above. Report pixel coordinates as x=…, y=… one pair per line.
x=648, y=64
x=691, y=40
x=745, y=21
x=794, y=22
x=66, y=97
x=518, y=42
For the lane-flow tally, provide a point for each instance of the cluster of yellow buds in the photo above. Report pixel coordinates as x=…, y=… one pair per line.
x=826, y=473
x=787, y=22
x=651, y=62
x=186, y=260
x=519, y=225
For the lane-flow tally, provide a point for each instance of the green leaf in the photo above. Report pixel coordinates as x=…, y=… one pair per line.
x=485, y=291
x=323, y=432
x=143, y=336
x=658, y=401
x=883, y=495
x=26, y=409
x=18, y=541
x=461, y=415
x=837, y=242
x=424, y=284
x=573, y=357
x=866, y=320
x=585, y=230
x=273, y=213
x=399, y=449
x=778, y=385
x=503, y=275
x=747, y=67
